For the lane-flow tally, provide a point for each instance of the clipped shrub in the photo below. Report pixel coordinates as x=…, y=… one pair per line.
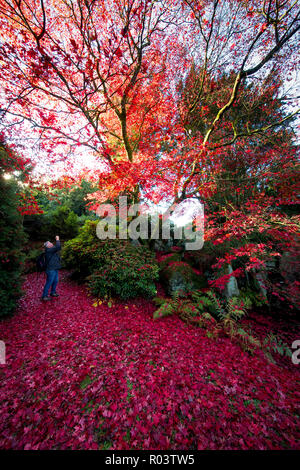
x=111, y=267
x=127, y=272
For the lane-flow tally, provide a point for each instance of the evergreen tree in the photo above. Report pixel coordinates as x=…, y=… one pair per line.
x=12, y=236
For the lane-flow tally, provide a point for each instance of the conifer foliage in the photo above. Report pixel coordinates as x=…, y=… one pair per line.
x=11, y=236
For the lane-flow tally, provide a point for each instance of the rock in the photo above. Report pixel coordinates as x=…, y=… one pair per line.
x=231, y=289
x=289, y=266
x=162, y=245
x=261, y=281
x=270, y=264
x=179, y=277
x=135, y=242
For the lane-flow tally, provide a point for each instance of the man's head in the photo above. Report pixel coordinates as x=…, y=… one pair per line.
x=48, y=245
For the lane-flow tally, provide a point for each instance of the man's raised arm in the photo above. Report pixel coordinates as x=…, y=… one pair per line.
x=57, y=246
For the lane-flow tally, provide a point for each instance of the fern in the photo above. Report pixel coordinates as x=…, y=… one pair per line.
x=207, y=311
x=236, y=309
x=159, y=300
x=164, y=310
x=203, y=300
x=218, y=309
x=189, y=310
x=249, y=340
x=276, y=345
x=252, y=298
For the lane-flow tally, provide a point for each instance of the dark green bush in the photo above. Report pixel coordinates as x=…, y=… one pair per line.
x=111, y=267
x=60, y=221
x=31, y=254
x=169, y=258
x=64, y=222
x=34, y=225
x=80, y=253
x=12, y=239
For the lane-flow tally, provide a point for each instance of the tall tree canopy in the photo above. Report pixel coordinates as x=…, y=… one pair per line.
x=171, y=99
x=104, y=76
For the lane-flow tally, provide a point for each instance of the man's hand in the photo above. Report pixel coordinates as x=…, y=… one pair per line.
x=57, y=237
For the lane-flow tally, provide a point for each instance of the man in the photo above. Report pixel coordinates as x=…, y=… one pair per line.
x=52, y=267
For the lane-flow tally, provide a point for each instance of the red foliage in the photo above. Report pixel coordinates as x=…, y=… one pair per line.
x=28, y=205
x=80, y=377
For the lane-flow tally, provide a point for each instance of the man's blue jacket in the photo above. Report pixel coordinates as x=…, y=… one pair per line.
x=52, y=257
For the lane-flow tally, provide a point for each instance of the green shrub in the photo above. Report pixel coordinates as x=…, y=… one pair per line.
x=63, y=222
x=125, y=274
x=111, y=267
x=31, y=255
x=36, y=226
x=274, y=344
x=12, y=239
x=169, y=258
x=81, y=253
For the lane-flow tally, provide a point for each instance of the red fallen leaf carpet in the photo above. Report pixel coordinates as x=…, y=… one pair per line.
x=80, y=377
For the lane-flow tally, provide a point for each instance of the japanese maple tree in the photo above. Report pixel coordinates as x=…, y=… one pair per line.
x=174, y=99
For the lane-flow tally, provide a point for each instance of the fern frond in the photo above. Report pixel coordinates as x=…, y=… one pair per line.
x=164, y=310
x=159, y=300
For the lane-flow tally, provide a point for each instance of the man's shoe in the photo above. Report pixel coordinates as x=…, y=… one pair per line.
x=54, y=295
x=45, y=298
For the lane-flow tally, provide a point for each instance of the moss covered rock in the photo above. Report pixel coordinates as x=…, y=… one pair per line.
x=179, y=277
